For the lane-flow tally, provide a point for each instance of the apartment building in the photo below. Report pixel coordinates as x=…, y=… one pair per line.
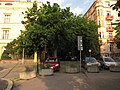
x=101, y=12
x=10, y=20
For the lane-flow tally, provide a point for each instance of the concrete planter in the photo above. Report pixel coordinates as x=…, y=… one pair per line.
x=115, y=68
x=93, y=68
x=72, y=70
x=27, y=75
x=45, y=72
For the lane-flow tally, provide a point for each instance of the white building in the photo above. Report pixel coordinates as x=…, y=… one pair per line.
x=10, y=19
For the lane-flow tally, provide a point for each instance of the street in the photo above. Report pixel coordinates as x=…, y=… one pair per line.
x=104, y=80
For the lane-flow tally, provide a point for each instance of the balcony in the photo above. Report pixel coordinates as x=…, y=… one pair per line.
x=109, y=29
x=109, y=17
x=111, y=40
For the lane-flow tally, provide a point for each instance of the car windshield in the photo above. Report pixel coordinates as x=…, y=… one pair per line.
x=52, y=60
x=108, y=60
x=90, y=60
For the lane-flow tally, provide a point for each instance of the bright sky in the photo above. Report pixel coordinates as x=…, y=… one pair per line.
x=76, y=6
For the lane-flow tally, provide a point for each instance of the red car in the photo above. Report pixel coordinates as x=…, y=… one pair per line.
x=54, y=62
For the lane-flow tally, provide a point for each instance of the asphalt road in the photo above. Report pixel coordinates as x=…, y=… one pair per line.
x=104, y=80
x=94, y=81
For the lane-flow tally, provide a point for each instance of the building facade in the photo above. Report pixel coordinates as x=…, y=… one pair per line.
x=10, y=20
x=101, y=12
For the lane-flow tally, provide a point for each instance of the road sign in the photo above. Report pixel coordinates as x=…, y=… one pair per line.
x=80, y=45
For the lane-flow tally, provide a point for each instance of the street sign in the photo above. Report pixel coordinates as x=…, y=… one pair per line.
x=80, y=45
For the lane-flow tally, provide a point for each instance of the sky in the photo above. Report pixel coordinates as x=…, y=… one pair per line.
x=76, y=6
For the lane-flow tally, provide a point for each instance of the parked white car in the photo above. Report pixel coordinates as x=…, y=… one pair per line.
x=106, y=62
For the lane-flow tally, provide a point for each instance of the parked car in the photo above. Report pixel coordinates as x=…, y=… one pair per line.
x=106, y=62
x=89, y=61
x=54, y=62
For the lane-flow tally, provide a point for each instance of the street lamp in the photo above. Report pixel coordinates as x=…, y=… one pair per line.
x=23, y=53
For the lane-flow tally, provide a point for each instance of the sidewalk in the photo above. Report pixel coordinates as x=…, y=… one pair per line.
x=9, y=73
x=105, y=80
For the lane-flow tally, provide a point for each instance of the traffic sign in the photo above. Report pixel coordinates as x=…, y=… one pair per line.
x=80, y=45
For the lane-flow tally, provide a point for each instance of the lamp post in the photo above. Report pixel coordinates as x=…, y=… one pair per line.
x=23, y=53
x=23, y=50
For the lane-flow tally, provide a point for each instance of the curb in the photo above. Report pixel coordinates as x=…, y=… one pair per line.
x=10, y=84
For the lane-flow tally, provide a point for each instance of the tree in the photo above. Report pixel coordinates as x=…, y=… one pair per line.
x=88, y=30
x=116, y=7
x=11, y=51
x=56, y=30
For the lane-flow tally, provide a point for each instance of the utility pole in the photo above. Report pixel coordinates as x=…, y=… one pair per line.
x=80, y=48
x=23, y=55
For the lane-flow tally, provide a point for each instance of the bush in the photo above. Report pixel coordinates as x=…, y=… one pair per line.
x=45, y=66
x=5, y=57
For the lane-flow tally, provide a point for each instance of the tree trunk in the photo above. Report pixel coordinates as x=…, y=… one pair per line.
x=55, y=53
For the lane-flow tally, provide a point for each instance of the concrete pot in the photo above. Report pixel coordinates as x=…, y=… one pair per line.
x=115, y=68
x=47, y=72
x=27, y=75
x=72, y=70
x=93, y=68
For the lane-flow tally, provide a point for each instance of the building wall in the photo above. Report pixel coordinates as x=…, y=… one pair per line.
x=99, y=13
x=10, y=20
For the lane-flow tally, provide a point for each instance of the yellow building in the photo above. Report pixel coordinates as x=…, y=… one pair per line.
x=10, y=20
x=101, y=12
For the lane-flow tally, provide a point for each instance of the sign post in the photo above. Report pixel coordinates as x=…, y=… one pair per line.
x=80, y=47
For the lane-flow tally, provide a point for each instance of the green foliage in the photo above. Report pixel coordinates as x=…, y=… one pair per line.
x=11, y=50
x=117, y=36
x=54, y=28
x=45, y=66
x=5, y=56
x=116, y=6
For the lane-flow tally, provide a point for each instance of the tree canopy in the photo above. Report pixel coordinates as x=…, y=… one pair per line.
x=52, y=28
x=116, y=7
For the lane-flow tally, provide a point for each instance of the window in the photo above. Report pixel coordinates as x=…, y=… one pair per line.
x=99, y=23
x=119, y=14
x=101, y=12
x=100, y=34
x=107, y=3
x=98, y=12
x=108, y=13
x=110, y=35
x=7, y=18
x=110, y=47
x=5, y=34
